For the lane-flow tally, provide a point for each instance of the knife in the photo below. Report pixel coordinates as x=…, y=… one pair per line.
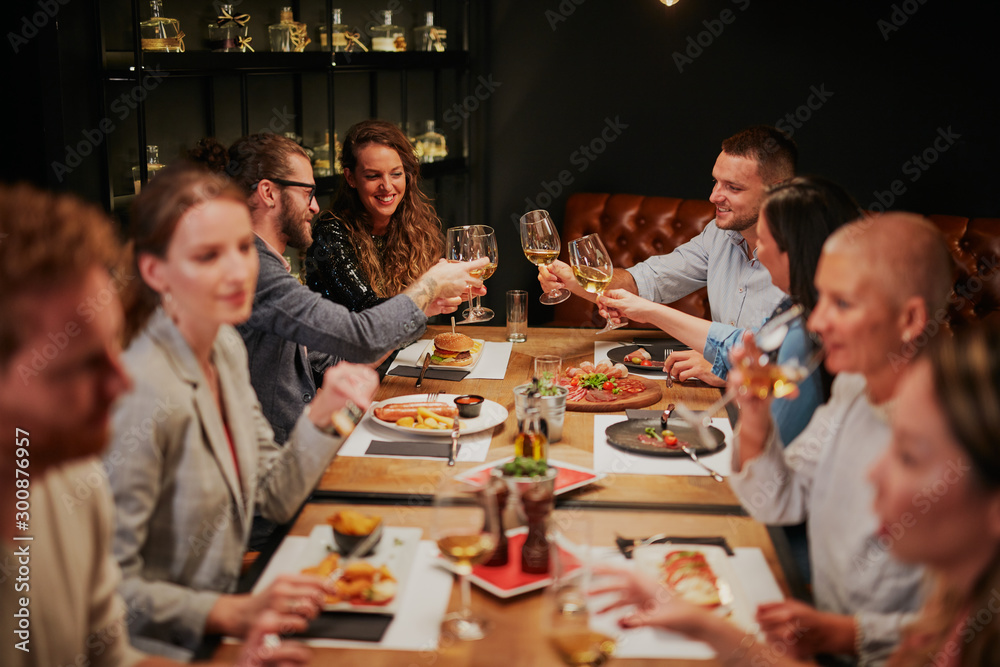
x=423, y=368
x=453, y=452
x=694, y=457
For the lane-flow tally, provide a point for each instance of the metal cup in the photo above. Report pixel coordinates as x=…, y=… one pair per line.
x=553, y=410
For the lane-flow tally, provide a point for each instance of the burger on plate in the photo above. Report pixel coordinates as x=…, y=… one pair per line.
x=452, y=349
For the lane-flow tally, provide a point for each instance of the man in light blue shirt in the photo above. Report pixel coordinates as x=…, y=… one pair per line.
x=722, y=258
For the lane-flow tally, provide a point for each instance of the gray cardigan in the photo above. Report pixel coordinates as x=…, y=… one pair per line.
x=183, y=511
x=288, y=318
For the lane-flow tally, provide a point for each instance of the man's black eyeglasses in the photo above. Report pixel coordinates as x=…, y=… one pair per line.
x=281, y=181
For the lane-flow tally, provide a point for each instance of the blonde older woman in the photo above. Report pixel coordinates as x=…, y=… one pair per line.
x=936, y=503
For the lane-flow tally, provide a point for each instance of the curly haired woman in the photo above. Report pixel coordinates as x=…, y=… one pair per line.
x=382, y=232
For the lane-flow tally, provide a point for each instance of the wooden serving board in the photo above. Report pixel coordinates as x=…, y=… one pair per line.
x=651, y=394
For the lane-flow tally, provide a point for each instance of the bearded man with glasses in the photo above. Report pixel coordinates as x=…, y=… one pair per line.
x=294, y=333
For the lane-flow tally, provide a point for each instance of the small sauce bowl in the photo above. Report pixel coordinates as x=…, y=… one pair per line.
x=469, y=406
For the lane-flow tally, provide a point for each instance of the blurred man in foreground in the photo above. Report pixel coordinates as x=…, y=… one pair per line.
x=60, y=372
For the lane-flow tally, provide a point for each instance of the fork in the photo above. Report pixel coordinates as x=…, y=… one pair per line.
x=433, y=396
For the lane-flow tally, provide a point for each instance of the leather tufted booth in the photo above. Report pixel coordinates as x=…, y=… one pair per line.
x=634, y=227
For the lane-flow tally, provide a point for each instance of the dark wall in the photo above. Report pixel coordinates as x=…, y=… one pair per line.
x=885, y=80
x=880, y=94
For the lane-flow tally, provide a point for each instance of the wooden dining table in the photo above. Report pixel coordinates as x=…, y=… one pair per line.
x=630, y=505
x=373, y=477
x=516, y=638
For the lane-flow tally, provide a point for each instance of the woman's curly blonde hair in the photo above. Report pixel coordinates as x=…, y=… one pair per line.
x=413, y=241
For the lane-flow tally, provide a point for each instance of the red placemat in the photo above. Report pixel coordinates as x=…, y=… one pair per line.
x=508, y=580
x=567, y=478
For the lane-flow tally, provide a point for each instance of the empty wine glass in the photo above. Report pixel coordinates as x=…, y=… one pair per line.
x=593, y=269
x=465, y=525
x=763, y=375
x=483, y=236
x=540, y=242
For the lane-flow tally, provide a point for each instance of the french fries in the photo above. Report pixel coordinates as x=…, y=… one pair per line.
x=427, y=419
x=359, y=583
x=447, y=422
x=350, y=522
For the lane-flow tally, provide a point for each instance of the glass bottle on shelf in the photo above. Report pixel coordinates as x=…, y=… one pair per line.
x=288, y=34
x=159, y=33
x=429, y=37
x=152, y=166
x=321, y=158
x=388, y=37
x=430, y=146
x=337, y=39
x=337, y=168
x=225, y=32
x=531, y=441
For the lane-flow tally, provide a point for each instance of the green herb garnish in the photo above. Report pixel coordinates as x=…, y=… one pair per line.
x=525, y=466
x=593, y=381
x=652, y=431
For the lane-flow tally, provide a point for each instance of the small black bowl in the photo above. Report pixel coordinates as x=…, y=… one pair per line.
x=346, y=543
x=469, y=406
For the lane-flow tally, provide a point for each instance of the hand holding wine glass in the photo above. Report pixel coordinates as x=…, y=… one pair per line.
x=466, y=528
x=467, y=243
x=758, y=376
x=593, y=270
x=540, y=242
x=486, y=241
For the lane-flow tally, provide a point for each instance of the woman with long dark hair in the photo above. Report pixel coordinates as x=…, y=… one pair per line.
x=381, y=233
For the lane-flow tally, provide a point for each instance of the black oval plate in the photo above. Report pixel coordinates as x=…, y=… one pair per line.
x=625, y=436
x=618, y=355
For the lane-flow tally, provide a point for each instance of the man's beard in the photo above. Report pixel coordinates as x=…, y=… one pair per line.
x=293, y=224
x=742, y=223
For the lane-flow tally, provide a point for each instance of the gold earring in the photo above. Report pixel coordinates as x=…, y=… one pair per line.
x=906, y=337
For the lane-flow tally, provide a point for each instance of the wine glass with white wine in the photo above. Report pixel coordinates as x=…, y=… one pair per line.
x=763, y=375
x=465, y=525
x=593, y=269
x=540, y=242
x=569, y=624
x=465, y=244
x=485, y=240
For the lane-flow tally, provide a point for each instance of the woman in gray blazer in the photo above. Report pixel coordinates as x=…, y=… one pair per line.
x=192, y=456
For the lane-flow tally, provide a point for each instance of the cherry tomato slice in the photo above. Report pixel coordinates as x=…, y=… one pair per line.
x=574, y=382
x=646, y=362
x=608, y=386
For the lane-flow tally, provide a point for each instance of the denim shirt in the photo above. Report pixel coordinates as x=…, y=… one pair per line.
x=790, y=415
